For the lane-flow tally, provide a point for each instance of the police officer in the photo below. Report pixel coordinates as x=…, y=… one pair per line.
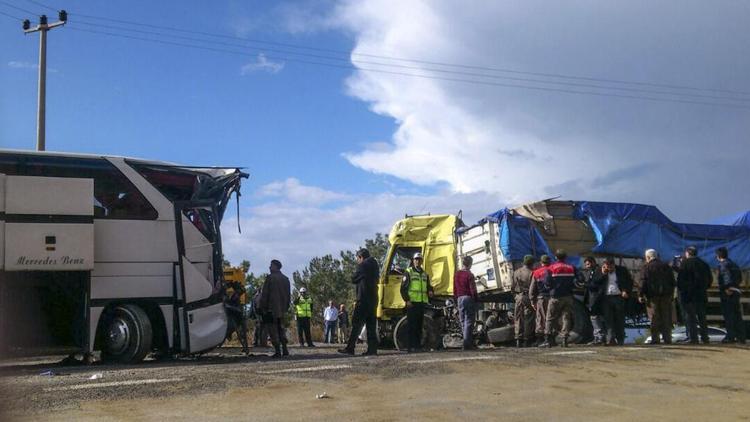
x=416, y=292
x=303, y=313
x=234, y=302
x=561, y=278
x=523, y=313
x=539, y=295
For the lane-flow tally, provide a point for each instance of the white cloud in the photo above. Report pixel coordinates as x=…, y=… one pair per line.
x=293, y=228
x=530, y=144
x=262, y=64
x=13, y=64
x=294, y=192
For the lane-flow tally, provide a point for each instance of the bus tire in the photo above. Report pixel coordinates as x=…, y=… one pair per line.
x=128, y=335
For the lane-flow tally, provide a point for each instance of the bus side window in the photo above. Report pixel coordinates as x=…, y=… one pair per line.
x=115, y=197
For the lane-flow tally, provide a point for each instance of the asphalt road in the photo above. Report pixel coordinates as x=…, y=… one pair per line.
x=225, y=385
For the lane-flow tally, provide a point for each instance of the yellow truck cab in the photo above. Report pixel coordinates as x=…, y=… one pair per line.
x=435, y=237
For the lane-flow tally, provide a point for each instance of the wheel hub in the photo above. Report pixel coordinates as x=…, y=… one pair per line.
x=118, y=336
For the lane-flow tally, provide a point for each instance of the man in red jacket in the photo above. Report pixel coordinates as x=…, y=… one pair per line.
x=561, y=278
x=465, y=292
x=539, y=295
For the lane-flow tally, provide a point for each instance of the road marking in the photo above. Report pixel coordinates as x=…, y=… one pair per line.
x=306, y=369
x=113, y=384
x=574, y=352
x=426, y=361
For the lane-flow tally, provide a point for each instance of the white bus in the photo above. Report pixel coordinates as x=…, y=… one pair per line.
x=112, y=254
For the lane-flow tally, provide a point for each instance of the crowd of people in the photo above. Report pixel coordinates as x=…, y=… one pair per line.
x=545, y=295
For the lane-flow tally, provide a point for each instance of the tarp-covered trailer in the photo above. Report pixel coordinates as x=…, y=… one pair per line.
x=499, y=241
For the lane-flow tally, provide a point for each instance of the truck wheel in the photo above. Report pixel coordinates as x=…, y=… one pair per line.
x=127, y=335
x=501, y=335
x=430, y=338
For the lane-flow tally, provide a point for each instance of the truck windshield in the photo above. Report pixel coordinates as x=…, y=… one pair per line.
x=402, y=258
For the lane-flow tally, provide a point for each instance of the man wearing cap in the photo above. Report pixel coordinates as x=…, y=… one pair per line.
x=561, y=278
x=416, y=292
x=539, y=296
x=274, y=303
x=523, y=313
x=465, y=293
x=303, y=313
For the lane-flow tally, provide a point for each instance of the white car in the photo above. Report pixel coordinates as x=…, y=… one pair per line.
x=679, y=335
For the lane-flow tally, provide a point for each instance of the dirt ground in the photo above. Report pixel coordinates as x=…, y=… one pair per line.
x=667, y=382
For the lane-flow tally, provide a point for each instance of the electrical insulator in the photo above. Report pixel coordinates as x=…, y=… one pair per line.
x=62, y=15
x=43, y=20
x=26, y=24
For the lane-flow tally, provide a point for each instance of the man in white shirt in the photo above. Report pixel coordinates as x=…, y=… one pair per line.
x=330, y=318
x=615, y=286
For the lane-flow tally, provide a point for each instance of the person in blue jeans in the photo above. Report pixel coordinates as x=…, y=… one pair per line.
x=465, y=292
x=330, y=319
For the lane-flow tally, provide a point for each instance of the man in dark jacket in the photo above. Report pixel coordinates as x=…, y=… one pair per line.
x=730, y=278
x=657, y=290
x=275, y=298
x=612, y=286
x=694, y=278
x=591, y=300
x=416, y=291
x=365, y=282
x=234, y=303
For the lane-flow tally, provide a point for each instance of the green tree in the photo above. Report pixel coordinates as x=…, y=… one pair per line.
x=378, y=247
x=245, y=265
x=325, y=280
x=253, y=283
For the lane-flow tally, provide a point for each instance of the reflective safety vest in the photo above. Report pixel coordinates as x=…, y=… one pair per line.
x=417, y=285
x=304, y=307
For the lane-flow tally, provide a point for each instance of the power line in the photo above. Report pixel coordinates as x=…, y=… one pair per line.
x=20, y=9
x=42, y=5
x=434, y=63
x=422, y=76
x=407, y=67
x=10, y=16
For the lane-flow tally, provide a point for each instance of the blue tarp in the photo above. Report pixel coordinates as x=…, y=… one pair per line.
x=630, y=229
x=518, y=236
x=739, y=219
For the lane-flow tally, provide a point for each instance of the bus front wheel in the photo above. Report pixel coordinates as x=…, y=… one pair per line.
x=127, y=335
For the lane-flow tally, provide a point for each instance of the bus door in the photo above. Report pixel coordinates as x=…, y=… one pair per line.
x=199, y=311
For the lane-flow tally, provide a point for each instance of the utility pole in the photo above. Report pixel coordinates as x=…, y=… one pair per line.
x=42, y=28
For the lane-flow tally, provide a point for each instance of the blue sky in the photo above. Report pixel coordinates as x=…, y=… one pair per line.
x=129, y=97
x=487, y=118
